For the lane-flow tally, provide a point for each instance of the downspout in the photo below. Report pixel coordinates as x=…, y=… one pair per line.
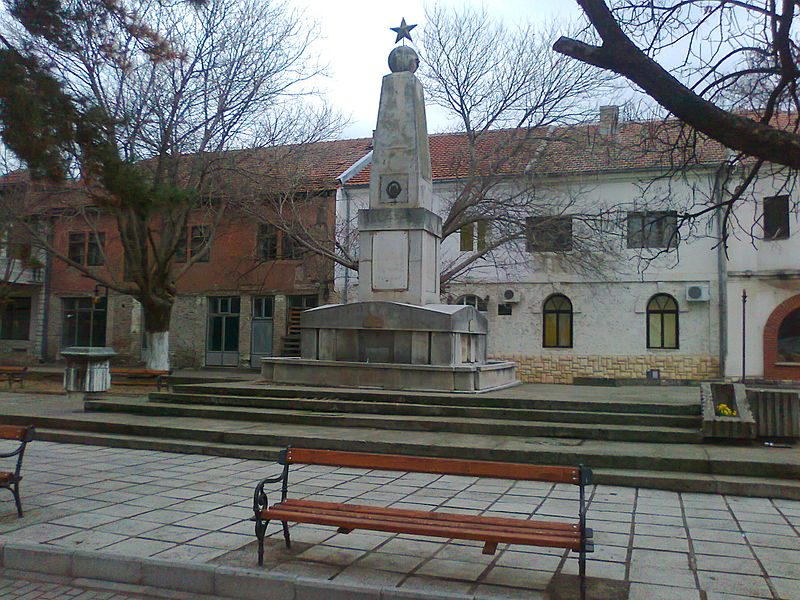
x=722, y=279
x=45, y=325
x=347, y=209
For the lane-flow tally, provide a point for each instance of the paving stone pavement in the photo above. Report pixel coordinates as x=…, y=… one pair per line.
x=12, y=588
x=195, y=509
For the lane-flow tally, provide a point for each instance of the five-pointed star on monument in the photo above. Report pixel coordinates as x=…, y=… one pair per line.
x=404, y=31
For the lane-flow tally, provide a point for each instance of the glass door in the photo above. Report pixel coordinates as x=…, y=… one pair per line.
x=222, y=338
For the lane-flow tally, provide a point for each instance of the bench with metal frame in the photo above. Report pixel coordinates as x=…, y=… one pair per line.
x=489, y=530
x=12, y=375
x=139, y=377
x=10, y=479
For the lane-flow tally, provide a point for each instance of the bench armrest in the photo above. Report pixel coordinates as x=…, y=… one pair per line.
x=19, y=449
x=260, y=501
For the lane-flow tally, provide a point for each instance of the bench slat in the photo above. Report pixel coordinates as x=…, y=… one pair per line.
x=454, y=526
x=444, y=466
x=493, y=522
x=552, y=540
x=13, y=432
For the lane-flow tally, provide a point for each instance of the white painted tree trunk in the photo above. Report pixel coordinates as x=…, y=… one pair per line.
x=158, y=358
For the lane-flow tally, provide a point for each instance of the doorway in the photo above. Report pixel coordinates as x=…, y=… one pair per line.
x=295, y=306
x=222, y=340
x=262, y=328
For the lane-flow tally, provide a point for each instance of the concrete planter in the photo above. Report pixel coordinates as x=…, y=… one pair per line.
x=740, y=427
x=88, y=369
x=777, y=412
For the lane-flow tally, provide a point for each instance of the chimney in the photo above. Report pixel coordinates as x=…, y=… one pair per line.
x=609, y=117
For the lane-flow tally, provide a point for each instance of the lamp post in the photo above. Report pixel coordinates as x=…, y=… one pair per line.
x=744, y=334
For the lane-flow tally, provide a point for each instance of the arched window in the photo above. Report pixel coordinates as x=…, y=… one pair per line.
x=557, y=322
x=473, y=300
x=789, y=338
x=662, y=322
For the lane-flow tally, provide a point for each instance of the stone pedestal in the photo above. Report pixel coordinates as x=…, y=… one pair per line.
x=88, y=369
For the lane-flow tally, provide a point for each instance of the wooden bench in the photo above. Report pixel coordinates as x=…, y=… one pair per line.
x=10, y=479
x=12, y=375
x=489, y=530
x=139, y=377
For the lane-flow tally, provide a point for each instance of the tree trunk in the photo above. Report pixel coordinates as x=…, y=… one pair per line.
x=156, y=326
x=158, y=355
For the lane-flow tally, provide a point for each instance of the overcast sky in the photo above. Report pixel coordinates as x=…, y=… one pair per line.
x=357, y=41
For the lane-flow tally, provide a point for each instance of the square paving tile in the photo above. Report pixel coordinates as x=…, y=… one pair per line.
x=518, y=578
x=645, y=591
x=644, y=573
x=744, y=585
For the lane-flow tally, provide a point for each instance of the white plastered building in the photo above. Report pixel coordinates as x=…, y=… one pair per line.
x=626, y=299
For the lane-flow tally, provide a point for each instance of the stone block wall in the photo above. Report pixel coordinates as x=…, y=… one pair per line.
x=564, y=368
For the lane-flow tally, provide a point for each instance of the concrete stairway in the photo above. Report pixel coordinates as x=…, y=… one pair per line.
x=652, y=444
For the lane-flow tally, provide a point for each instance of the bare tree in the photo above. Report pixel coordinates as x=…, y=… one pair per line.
x=503, y=89
x=729, y=53
x=510, y=95
x=143, y=104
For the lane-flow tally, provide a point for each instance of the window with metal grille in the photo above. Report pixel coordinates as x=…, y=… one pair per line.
x=776, y=218
x=652, y=229
x=548, y=234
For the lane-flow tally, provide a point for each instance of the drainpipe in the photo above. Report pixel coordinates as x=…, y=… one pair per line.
x=347, y=213
x=45, y=324
x=722, y=271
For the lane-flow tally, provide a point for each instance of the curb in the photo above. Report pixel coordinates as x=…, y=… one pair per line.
x=196, y=580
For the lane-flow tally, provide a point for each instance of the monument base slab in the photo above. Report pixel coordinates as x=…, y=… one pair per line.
x=408, y=377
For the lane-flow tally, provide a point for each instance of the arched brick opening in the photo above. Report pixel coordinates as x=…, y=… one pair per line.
x=771, y=369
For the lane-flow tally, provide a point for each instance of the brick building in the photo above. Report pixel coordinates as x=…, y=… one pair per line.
x=238, y=302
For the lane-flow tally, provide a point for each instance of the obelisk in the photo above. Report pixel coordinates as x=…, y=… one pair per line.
x=399, y=234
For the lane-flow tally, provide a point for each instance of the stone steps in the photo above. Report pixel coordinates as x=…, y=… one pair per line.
x=668, y=480
x=588, y=414
x=479, y=425
x=685, y=458
x=602, y=399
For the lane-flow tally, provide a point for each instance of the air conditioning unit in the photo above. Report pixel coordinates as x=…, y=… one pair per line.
x=510, y=297
x=697, y=293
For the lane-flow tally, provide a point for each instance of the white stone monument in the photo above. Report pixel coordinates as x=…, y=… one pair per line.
x=398, y=336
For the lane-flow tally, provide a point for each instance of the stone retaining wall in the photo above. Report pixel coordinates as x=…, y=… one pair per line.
x=563, y=368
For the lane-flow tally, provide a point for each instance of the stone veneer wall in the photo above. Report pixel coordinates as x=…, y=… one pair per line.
x=562, y=369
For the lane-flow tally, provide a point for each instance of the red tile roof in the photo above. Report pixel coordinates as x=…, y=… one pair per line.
x=586, y=148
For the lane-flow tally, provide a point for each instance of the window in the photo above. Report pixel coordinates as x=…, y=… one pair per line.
x=472, y=236
x=776, y=218
x=653, y=229
x=19, y=245
x=548, y=234
x=83, y=322
x=472, y=300
x=662, y=322
x=557, y=330
x=789, y=338
x=86, y=248
x=505, y=309
x=190, y=243
x=290, y=249
x=273, y=244
x=15, y=318
x=199, y=236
